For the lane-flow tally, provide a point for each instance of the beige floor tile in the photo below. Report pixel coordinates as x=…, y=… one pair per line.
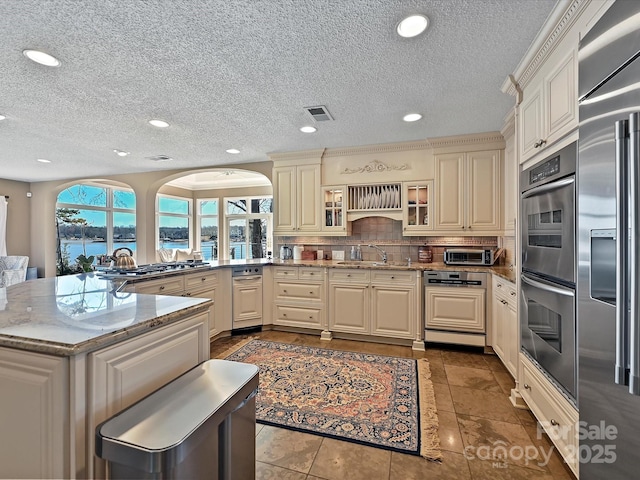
x=526, y=416
x=444, y=402
x=556, y=464
x=313, y=477
x=496, y=406
x=264, y=471
x=477, y=378
x=438, y=373
x=485, y=470
x=464, y=359
x=495, y=364
x=409, y=467
x=259, y=428
x=338, y=460
x=501, y=442
x=505, y=380
x=286, y=448
x=449, y=432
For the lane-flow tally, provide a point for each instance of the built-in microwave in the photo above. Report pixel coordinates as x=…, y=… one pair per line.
x=471, y=256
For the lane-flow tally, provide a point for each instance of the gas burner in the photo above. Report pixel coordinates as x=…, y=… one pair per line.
x=151, y=268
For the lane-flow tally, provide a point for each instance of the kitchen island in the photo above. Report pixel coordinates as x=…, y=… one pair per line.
x=73, y=352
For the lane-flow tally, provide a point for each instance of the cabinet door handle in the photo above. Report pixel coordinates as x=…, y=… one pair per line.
x=203, y=279
x=348, y=274
x=554, y=422
x=527, y=386
x=161, y=287
x=499, y=285
x=539, y=143
x=463, y=227
x=513, y=294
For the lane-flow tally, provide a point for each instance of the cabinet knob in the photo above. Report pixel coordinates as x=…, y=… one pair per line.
x=554, y=422
x=348, y=274
x=392, y=277
x=539, y=143
x=284, y=314
x=513, y=294
x=463, y=227
x=310, y=317
x=310, y=293
x=284, y=291
x=161, y=287
x=311, y=273
x=203, y=279
x=527, y=386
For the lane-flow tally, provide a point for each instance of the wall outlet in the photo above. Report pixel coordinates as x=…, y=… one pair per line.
x=337, y=254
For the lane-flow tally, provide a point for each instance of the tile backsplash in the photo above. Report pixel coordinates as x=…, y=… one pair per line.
x=387, y=234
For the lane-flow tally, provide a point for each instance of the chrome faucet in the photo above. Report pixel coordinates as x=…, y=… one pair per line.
x=382, y=252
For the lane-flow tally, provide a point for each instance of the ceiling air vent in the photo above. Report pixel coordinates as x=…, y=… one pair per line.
x=160, y=158
x=319, y=113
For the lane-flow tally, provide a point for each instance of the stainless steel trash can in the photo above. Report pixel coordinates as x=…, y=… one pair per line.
x=200, y=425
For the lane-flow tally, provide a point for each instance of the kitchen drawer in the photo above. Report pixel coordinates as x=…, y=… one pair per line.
x=285, y=272
x=313, y=273
x=299, y=291
x=505, y=290
x=201, y=281
x=554, y=412
x=163, y=286
x=349, y=275
x=392, y=276
x=296, y=316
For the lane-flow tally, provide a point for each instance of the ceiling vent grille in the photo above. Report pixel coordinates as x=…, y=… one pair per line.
x=319, y=113
x=160, y=158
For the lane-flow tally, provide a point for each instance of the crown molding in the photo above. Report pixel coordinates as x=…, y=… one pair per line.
x=560, y=20
x=376, y=149
x=299, y=155
x=465, y=140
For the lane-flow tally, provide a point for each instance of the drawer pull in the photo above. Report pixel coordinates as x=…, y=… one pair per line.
x=284, y=314
x=392, y=277
x=286, y=273
x=499, y=285
x=203, y=278
x=348, y=274
x=527, y=386
x=513, y=294
x=161, y=287
x=554, y=423
x=284, y=291
x=310, y=317
x=311, y=273
x=310, y=293
x=504, y=302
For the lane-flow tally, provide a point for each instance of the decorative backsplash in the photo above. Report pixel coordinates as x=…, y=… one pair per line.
x=387, y=234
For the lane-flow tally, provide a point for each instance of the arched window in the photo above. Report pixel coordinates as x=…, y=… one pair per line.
x=93, y=220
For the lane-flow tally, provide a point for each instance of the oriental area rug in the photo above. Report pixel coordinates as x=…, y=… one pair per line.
x=381, y=401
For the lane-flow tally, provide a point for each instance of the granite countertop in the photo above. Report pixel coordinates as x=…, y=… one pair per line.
x=73, y=314
x=506, y=272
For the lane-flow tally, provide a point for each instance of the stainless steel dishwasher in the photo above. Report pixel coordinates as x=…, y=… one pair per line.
x=247, y=297
x=455, y=307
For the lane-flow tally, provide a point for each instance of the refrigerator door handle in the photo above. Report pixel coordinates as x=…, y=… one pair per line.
x=622, y=252
x=634, y=281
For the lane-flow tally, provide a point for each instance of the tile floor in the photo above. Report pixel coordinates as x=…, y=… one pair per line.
x=473, y=410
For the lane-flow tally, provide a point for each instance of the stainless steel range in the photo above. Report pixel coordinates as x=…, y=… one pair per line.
x=151, y=268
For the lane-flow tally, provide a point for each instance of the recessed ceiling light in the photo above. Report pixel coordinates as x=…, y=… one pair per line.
x=44, y=160
x=159, y=123
x=2, y=117
x=41, y=58
x=412, y=117
x=233, y=151
x=121, y=153
x=412, y=26
x=308, y=129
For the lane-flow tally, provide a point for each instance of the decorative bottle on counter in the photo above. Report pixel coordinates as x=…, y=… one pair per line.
x=425, y=254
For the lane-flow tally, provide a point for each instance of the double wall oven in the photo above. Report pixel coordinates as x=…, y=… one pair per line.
x=548, y=281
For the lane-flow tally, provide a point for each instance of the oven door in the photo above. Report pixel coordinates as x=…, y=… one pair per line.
x=548, y=329
x=548, y=230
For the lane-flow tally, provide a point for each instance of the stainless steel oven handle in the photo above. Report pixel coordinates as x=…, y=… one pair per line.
x=634, y=284
x=549, y=186
x=547, y=288
x=622, y=252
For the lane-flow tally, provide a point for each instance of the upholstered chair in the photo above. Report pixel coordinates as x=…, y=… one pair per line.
x=13, y=269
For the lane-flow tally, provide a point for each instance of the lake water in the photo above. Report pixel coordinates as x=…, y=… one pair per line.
x=100, y=248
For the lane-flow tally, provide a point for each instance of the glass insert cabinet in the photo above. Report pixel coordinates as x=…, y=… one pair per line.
x=333, y=207
x=417, y=214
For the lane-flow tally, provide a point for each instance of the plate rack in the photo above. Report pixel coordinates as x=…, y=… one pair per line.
x=375, y=197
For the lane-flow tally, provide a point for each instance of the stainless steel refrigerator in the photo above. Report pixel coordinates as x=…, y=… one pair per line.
x=608, y=223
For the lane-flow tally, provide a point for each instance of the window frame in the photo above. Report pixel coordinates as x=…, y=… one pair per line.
x=199, y=218
x=188, y=216
x=246, y=216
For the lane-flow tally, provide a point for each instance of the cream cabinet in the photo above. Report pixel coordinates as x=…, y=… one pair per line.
x=504, y=326
x=511, y=192
x=334, y=207
x=296, y=196
x=417, y=215
x=557, y=416
x=381, y=303
x=299, y=297
x=549, y=109
x=52, y=405
x=467, y=192
x=213, y=284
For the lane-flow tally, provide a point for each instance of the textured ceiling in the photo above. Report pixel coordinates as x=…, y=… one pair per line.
x=237, y=74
